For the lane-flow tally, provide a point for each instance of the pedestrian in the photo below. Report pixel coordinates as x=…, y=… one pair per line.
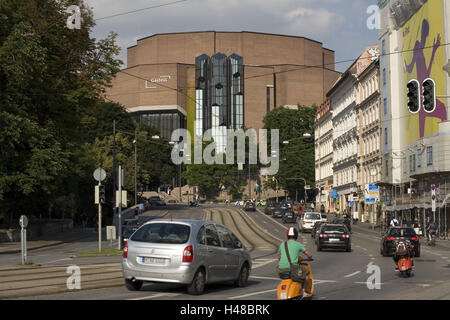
x=394, y=222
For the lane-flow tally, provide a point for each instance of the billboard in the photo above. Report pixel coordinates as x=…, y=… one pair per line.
x=423, y=57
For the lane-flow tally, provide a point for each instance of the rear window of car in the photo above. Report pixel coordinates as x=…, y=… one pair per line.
x=162, y=233
x=128, y=232
x=312, y=216
x=340, y=230
x=154, y=198
x=407, y=232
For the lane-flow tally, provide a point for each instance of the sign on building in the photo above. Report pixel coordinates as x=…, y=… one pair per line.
x=372, y=193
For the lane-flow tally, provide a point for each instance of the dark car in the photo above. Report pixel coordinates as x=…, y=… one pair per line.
x=394, y=234
x=289, y=217
x=297, y=209
x=270, y=207
x=316, y=228
x=343, y=221
x=128, y=232
x=156, y=201
x=127, y=223
x=250, y=206
x=334, y=236
x=278, y=212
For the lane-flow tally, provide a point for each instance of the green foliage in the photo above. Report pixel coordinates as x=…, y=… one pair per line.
x=296, y=157
x=54, y=124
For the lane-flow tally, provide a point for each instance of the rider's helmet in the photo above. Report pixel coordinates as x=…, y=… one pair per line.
x=292, y=233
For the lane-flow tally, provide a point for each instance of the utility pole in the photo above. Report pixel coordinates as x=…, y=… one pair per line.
x=249, y=181
x=114, y=167
x=135, y=167
x=99, y=219
x=120, y=208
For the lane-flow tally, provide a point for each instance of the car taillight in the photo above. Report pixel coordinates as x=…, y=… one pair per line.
x=322, y=235
x=283, y=287
x=125, y=251
x=415, y=239
x=346, y=236
x=304, y=222
x=188, y=254
x=390, y=238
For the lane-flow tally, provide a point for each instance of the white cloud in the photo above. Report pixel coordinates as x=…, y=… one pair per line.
x=313, y=22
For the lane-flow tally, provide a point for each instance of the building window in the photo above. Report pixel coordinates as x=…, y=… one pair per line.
x=405, y=164
x=384, y=76
x=387, y=168
x=412, y=163
x=430, y=155
x=385, y=137
x=383, y=47
x=385, y=106
x=419, y=159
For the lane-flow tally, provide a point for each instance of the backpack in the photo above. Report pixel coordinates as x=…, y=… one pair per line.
x=395, y=223
x=401, y=249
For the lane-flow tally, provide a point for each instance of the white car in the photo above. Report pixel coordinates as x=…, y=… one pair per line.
x=308, y=221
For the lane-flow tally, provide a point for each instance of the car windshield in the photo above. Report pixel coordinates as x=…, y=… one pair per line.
x=406, y=232
x=162, y=233
x=340, y=230
x=312, y=216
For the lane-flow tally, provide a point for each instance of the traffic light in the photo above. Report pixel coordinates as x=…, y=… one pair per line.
x=102, y=194
x=412, y=89
x=429, y=97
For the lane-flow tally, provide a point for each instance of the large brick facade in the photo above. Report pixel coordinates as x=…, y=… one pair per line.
x=160, y=73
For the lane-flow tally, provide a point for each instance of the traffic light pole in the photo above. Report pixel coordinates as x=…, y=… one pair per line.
x=99, y=221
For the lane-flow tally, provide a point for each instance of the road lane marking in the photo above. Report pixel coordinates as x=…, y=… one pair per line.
x=252, y=294
x=352, y=274
x=380, y=283
x=157, y=296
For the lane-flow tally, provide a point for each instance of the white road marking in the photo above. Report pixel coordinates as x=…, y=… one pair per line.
x=352, y=274
x=444, y=257
x=252, y=294
x=157, y=296
x=380, y=283
x=59, y=260
x=265, y=278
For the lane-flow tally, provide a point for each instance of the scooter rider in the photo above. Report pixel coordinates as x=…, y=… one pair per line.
x=431, y=230
x=295, y=249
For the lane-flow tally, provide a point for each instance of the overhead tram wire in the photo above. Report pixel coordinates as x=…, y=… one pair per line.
x=140, y=10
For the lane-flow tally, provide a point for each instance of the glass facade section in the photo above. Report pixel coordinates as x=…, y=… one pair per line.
x=219, y=95
x=164, y=122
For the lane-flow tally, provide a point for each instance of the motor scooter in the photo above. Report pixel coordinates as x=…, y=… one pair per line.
x=405, y=262
x=291, y=290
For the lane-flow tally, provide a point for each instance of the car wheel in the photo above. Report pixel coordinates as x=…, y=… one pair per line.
x=417, y=253
x=348, y=249
x=198, y=283
x=242, y=279
x=319, y=248
x=133, y=285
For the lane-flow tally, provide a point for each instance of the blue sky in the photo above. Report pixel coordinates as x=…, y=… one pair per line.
x=339, y=24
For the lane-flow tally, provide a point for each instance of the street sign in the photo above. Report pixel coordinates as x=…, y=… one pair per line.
x=333, y=194
x=371, y=193
x=433, y=198
x=99, y=174
x=23, y=221
x=352, y=203
x=110, y=232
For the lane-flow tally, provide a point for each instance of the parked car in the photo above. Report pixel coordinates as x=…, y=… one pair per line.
x=190, y=252
x=250, y=206
x=393, y=234
x=289, y=217
x=316, y=228
x=334, y=236
x=156, y=201
x=278, y=212
x=270, y=207
x=308, y=221
x=324, y=217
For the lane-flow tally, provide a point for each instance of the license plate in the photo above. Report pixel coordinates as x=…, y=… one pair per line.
x=283, y=296
x=403, y=268
x=151, y=260
x=334, y=240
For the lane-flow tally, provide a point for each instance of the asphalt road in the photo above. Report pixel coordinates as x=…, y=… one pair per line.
x=337, y=274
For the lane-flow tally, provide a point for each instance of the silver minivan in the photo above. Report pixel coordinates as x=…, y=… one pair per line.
x=191, y=252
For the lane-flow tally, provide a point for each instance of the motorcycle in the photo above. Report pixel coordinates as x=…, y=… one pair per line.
x=291, y=290
x=404, y=262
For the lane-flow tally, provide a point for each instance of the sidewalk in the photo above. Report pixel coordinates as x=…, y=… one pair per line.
x=48, y=240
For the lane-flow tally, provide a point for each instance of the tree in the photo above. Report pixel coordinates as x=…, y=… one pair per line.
x=297, y=156
x=51, y=78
